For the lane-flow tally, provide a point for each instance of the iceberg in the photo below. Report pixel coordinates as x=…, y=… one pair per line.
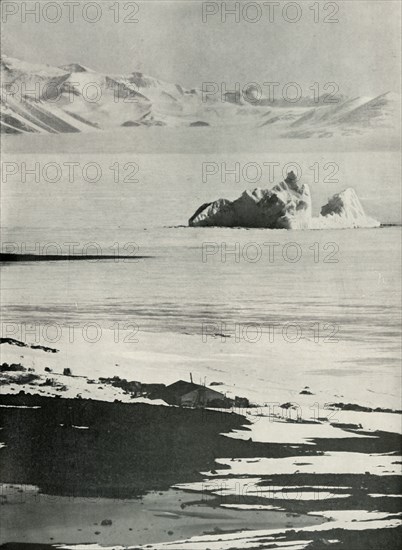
x=344, y=211
x=286, y=206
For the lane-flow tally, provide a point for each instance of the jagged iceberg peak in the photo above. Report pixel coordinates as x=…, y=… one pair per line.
x=286, y=206
x=343, y=210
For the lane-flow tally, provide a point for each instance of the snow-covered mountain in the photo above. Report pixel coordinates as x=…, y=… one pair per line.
x=73, y=98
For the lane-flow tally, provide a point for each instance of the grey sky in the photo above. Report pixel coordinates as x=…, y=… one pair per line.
x=170, y=41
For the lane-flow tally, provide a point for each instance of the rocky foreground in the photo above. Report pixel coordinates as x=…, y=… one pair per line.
x=82, y=449
x=125, y=470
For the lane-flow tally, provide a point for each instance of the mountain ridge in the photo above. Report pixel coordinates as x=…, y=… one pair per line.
x=38, y=98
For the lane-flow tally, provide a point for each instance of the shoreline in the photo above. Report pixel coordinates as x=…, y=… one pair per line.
x=183, y=140
x=155, y=518
x=92, y=458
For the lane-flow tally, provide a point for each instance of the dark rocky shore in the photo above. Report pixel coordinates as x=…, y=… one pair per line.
x=88, y=448
x=84, y=447
x=128, y=449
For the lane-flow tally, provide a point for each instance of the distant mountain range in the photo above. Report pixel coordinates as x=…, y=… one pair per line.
x=73, y=98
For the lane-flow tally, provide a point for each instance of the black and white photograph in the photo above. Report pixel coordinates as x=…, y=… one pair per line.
x=200, y=330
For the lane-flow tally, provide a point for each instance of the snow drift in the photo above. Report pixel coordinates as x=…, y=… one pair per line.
x=286, y=206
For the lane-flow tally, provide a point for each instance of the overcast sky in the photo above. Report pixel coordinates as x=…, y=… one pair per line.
x=170, y=41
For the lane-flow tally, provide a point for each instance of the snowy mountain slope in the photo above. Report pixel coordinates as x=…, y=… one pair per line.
x=15, y=71
x=74, y=98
